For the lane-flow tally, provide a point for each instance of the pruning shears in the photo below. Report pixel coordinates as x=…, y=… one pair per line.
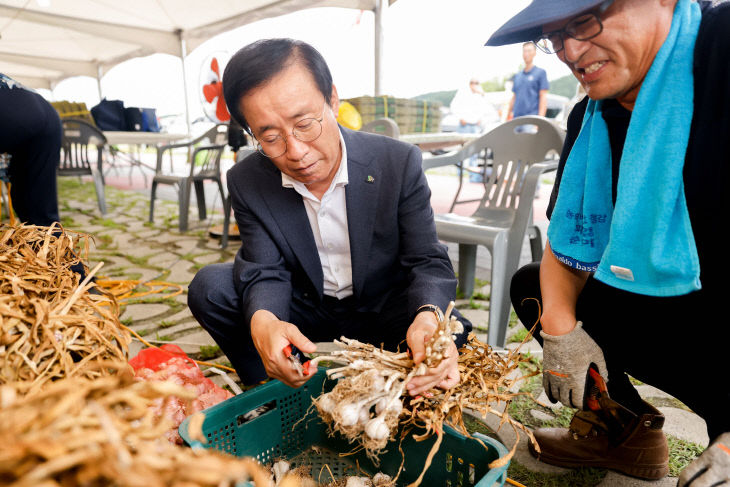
x=295, y=357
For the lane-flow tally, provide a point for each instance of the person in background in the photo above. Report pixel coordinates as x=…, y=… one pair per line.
x=338, y=236
x=529, y=88
x=30, y=133
x=634, y=272
x=474, y=112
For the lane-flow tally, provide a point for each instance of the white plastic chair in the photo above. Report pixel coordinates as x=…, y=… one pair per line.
x=505, y=210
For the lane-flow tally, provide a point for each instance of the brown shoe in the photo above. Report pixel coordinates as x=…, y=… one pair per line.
x=640, y=450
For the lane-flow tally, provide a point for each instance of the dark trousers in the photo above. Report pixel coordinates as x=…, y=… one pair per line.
x=677, y=344
x=214, y=302
x=30, y=131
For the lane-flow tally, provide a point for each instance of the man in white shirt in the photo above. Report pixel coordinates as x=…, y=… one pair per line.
x=336, y=226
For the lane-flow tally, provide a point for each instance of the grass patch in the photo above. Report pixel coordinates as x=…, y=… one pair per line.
x=518, y=336
x=474, y=305
x=163, y=338
x=171, y=302
x=480, y=296
x=104, y=242
x=635, y=382
x=68, y=222
x=144, y=332
x=581, y=477
x=681, y=454
x=126, y=321
x=209, y=351
x=108, y=223
x=513, y=319
x=166, y=324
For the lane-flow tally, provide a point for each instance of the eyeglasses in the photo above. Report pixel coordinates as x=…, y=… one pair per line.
x=305, y=130
x=581, y=28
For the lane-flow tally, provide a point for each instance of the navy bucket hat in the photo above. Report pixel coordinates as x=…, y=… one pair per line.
x=527, y=25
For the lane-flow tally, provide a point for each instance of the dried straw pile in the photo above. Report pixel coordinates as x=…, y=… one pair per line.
x=50, y=325
x=103, y=432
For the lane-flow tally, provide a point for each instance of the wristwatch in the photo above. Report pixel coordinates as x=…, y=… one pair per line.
x=430, y=307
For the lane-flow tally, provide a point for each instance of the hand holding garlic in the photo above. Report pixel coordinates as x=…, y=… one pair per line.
x=366, y=403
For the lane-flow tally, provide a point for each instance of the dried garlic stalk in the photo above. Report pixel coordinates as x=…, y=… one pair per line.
x=50, y=325
x=78, y=431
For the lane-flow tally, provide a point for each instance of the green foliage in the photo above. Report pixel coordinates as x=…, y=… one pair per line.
x=681, y=454
x=474, y=305
x=518, y=336
x=564, y=86
x=209, y=351
x=580, y=477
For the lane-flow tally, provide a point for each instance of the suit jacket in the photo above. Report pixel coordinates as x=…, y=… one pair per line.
x=393, y=242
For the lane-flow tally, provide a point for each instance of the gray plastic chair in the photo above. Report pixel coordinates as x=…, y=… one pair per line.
x=204, y=163
x=382, y=126
x=80, y=142
x=505, y=210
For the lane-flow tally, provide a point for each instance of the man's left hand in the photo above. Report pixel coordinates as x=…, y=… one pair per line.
x=446, y=374
x=711, y=468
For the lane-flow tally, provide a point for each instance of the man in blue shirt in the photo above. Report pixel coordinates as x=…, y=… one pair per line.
x=530, y=87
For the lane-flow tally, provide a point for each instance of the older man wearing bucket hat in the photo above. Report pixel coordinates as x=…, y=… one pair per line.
x=634, y=271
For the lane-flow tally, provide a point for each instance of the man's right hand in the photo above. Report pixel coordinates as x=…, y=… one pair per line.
x=566, y=359
x=270, y=336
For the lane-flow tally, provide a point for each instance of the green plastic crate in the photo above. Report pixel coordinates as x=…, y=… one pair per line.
x=266, y=423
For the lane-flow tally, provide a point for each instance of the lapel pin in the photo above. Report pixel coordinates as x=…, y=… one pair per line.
x=370, y=179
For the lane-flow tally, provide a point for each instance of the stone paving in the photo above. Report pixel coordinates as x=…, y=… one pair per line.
x=134, y=249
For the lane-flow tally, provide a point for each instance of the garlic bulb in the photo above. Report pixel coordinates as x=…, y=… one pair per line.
x=349, y=414
x=377, y=429
x=381, y=405
x=326, y=403
x=396, y=406
x=364, y=415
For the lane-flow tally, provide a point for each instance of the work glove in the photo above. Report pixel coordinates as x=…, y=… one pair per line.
x=711, y=468
x=566, y=359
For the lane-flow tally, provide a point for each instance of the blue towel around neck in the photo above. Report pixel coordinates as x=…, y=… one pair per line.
x=645, y=244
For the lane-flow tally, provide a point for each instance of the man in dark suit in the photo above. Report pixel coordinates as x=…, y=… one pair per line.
x=336, y=226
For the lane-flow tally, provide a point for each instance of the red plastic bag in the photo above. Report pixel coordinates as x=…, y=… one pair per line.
x=170, y=363
x=153, y=358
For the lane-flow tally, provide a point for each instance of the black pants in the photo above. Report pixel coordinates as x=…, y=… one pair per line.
x=677, y=344
x=30, y=131
x=214, y=302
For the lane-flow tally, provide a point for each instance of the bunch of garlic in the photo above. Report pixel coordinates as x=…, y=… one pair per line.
x=366, y=403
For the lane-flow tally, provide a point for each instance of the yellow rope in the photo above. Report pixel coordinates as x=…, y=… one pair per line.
x=513, y=482
x=124, y=289
x=425, y=116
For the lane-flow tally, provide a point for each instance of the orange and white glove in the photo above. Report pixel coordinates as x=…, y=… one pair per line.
x=566, y=359
x=711, y=468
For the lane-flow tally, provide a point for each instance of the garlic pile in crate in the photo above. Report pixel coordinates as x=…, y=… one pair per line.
x=366, y=403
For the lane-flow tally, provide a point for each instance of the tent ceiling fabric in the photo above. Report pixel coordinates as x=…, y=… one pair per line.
x=42, y=45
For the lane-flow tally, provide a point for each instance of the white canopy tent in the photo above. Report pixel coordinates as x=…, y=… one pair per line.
x=45, y=41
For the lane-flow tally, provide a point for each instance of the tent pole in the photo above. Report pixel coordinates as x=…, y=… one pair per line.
x=99, y=74
x=183, y=54
x=381, y=8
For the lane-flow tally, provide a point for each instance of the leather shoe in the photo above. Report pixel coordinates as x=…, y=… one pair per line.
x=639, y=450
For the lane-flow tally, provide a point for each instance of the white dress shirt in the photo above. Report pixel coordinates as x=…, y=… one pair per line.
x=328, y=219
